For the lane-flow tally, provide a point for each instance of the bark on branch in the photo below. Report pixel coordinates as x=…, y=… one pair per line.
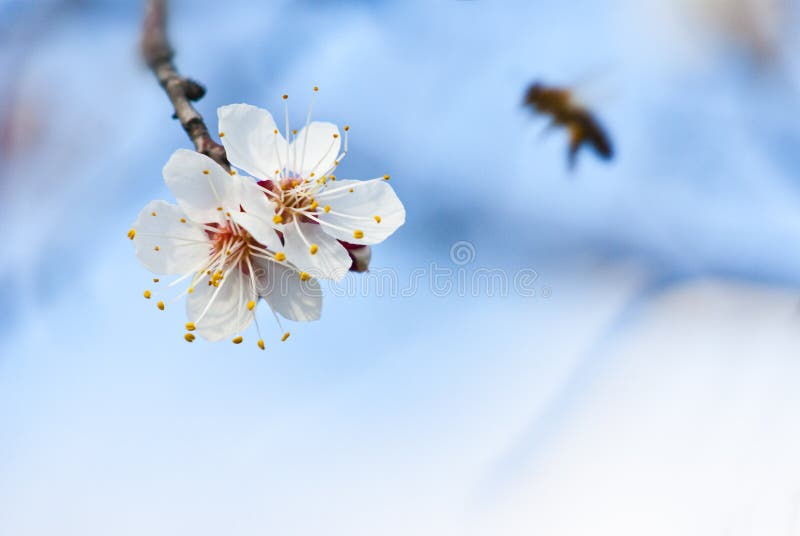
x=181, y=91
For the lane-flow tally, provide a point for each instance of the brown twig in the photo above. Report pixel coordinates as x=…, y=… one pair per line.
x=181, y=91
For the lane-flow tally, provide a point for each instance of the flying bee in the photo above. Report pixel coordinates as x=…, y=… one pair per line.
x=565, y=111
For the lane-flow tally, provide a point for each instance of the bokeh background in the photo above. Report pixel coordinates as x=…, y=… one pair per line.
x=649, y=385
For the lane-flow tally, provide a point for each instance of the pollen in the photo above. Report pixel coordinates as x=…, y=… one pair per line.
x=277, y=218
x=228, y=214
x=261, y=343
x=285, y=336
x=189, y=337
x=160, y=305
x=221, y=134
x=305, y=276
x=250, y=305
x=147, y=294
x=189, y=326
x=232, y=172
x=358, y=233
x=237, y=340
x=132, y=234
x=313, y=249
x=153, y=213
x=332, y=177
x=316, y=88
x=294, y=132
x=156, y=280
x=183, y=220
x=219, y=209
x=156, y=248
x=377, y=219
x=313, y=206
x=275, y=131
x=335, y=136
x=386, y=177
x=280, y=256
x=205, y=172
x=285, y=97
x=346, y=128
x=191, y=289
x=311, y=174
x=327, y=208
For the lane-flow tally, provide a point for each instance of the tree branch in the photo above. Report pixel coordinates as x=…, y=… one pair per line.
x=181, y=91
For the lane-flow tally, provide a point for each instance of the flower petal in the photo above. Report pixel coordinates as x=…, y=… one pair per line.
x=371, y=210
x=257, y=216
x=250, y=139
x=286, y=293
x=200, y=185
x=167, y=242
x=330, y=260
x=228, y=314
x=315, y=149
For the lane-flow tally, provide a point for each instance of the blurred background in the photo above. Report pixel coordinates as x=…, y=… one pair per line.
x=644, y=383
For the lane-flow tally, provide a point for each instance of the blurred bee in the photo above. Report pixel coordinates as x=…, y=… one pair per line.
x=564, y=111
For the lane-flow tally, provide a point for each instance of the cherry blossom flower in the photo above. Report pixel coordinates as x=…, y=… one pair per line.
x=325, y=224
x=215, y=239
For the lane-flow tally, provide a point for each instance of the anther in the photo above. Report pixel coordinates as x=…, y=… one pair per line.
x=280, y=256
x=189, y=326
x=250, y=305
x=155, y=280
x=160, y=305
x=313, y=206
x=316, y=88
x=285, y=97
x=313, y=249
x=335, y=136
x=346, y=128
x=386, y=177
x=377, y=219
x=219, y=208
x=237, y=340
x=132, y=233
x=156, y=248
x=147, y=294
x=261, y=343
x=275, y=131
x=327, y=208
x=277, y=218
x=294, y=132
x=232, y=172
x=205, y=171
x=183, y=220
x=305, y=276
x=351, y=190
x=285, y=336
x=189, y=337
x=358, y=233
x=153, y=213
x=191, y=289
x=221, y=134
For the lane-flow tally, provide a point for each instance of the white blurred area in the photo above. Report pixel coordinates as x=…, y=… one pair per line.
x=654, y=392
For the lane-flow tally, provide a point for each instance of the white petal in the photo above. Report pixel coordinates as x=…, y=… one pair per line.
x=228, y=314
x=166, y=245
x=357, y=210
x=331, y=261
x=287, y=294
x=262, y=231
x=250, y=139
x=200, y=185
x=315, y=149
x=257, y=216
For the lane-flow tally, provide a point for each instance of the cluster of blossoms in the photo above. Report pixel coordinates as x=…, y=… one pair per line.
x=234, y=239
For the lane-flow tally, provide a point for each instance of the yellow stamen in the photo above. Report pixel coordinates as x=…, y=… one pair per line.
x=156, y=248
x=313, y=249
x=261, y=343
x=205, y=172
x=153, y=213
x=237, y=340
x=346, y=128
x=305, y=276
x=313, y=206
x=316, y=88
x=155, y=280
x=335, y=136
x=160, y=305
x=191, y=289
x=285, y=336
x=351, y=190
x=277, y=218
x=294, y=132
x=219, y=208
x=280, y=256
x=285, y=97
x=189, y=337
x=377, y=219
x=189, y=326
x=132, y=233
x=183, y=220
x=358, y=233
x=147, y=294
x=386, y=177
x=250, y=305
x=221, y=134
x=232, y=172
x=327, y=208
